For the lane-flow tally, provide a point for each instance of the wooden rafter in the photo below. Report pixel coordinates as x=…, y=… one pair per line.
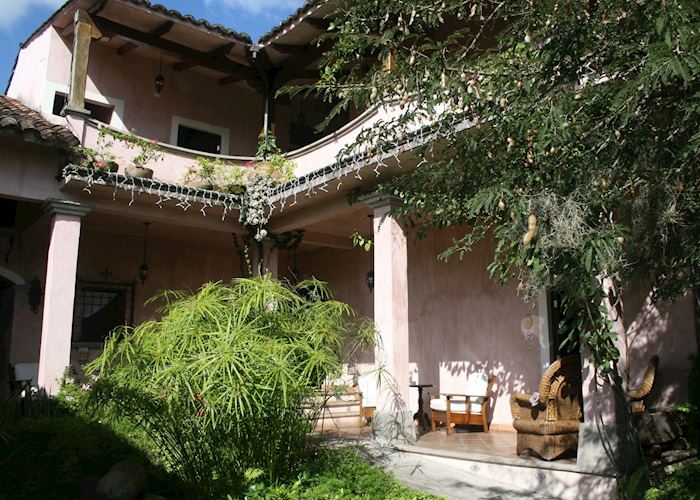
x=319, y=24
x=203, y=59
x=299, y=62
x=227, y=80
x=217, y=52
x=289, y=49
x=158, y=31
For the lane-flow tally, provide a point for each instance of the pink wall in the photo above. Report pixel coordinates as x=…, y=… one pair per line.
x=28, y=171
x=666, y=329
x=459, y=320
x=186, y=94
x=28, y=79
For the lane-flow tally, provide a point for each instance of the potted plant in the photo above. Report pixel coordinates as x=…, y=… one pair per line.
x=201, y=175
x=232, y=179
x=148, y=151
x=100, y=161
x=271, y=161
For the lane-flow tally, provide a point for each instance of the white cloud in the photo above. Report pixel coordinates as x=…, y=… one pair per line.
x=13, y=10
x=268, y=8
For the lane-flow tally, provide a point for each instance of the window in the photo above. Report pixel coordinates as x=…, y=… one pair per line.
x=100, y=112
x=99, y=309
x=199, y=136
x=198, y=140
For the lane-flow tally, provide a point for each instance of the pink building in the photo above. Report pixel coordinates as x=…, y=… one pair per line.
x=72, y=245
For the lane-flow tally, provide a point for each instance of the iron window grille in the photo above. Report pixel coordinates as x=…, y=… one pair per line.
x=100, y=307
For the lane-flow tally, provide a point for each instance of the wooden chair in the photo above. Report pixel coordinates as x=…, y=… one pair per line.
x=639, y=395
x=467, y=409
x=367, y=395
x=548, y=425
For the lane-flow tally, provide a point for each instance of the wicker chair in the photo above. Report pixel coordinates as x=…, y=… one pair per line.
x=638, y=396
x=549, y=427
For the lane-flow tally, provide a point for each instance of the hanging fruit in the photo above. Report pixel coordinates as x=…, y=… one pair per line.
x=531, y=229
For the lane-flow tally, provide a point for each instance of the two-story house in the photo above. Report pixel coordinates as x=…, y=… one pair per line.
x=81, y=256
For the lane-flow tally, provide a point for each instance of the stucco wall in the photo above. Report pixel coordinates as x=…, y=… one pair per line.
x=666, y=329
x=30, y=72
x=460, y=321
x=187, y=94
x=27, y=171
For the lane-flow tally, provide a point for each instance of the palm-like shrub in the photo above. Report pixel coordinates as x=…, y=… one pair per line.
x=221, y=381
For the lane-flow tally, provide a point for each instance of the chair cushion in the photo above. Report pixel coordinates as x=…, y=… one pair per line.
x=546, y=428
x=367, y=383
x=477, y=384
x=457, y=406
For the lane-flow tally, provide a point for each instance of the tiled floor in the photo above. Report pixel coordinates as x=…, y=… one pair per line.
x=464, y=440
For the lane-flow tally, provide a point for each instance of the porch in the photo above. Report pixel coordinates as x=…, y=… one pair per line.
x=474, y=464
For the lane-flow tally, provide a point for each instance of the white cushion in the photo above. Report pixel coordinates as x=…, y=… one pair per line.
x=457, y=405
x=367, y=383
x=477, y=384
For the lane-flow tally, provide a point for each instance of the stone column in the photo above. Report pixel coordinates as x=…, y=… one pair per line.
x=393, y=420
x=85, y=30
x=59, y=291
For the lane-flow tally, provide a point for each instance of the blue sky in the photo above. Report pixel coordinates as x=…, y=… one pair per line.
x=19, y=18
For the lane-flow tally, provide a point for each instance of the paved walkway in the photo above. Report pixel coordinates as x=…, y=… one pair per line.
x=427, y=474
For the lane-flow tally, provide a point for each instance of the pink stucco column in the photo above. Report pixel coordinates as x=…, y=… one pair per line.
x=392, y=419
x=59, y=291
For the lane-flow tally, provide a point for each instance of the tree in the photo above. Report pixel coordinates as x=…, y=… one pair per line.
x=581, y=152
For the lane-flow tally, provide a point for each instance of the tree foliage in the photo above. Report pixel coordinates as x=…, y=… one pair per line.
x=569, y=132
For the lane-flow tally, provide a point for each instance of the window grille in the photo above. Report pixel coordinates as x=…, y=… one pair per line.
x=99, y=309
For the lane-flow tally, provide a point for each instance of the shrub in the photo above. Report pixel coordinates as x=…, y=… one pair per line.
x=681, y=483
x=48, y=456
x=219, y=382
x=338, y=475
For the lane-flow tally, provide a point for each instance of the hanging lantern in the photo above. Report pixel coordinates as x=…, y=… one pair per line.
x=370, y=281
x=159, y=82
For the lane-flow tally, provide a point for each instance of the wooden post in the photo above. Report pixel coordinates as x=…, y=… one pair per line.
x=85, y=30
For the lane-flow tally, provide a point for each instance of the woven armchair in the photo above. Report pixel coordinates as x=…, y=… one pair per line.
x=550, y=427
x=638, y=396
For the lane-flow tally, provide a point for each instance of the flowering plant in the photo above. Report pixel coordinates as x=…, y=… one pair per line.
x=148, y=149
x=99, y=159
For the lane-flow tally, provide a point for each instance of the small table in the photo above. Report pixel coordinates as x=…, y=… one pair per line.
x=420, y=415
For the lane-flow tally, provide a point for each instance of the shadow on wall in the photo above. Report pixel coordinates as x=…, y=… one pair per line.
x=666, y=329
x=461, y=322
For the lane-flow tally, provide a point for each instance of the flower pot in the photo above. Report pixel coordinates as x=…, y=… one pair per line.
x=200, y=184
x=143, y=172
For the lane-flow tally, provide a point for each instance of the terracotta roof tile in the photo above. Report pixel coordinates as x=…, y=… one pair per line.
x=18, y=118
x=301, y=12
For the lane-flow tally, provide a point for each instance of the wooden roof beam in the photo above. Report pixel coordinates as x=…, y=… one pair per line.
x=158, y=31
x=289, y=49
x=319, y=24
x=227, y=80
x=217, y=52
x=204, y=59
x=299, y=62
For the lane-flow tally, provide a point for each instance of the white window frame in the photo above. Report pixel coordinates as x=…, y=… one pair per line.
x=204, y=127
x=117, y=120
